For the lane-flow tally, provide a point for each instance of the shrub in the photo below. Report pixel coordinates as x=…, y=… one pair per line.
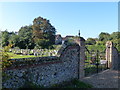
x=5, y=56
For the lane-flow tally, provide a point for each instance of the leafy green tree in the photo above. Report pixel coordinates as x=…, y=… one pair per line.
x=115, y=35
x=5, y=63
x=103, y=36
x=14, y=39
x=5, y=38
x=11, y=37
x=69, y=41
x=90, y=41
x=25, y=37
x=42, y=43
x=43, y=31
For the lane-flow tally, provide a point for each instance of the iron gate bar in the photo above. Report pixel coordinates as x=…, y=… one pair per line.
x=92, y=61
x=97, y=60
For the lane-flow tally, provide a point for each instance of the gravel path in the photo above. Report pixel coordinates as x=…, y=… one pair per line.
x=105, y=79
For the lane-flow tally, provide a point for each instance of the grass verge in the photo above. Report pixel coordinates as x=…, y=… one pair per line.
x=72, y=84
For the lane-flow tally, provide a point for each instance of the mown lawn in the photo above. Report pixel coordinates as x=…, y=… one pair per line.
x=15, y=56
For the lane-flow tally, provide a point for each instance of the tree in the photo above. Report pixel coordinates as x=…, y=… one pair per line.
x=43, y=30
x=90, y=41
x=25, y=37
x=42, y=43
x=5, y=62
x=5, y=38
x=14, y=39
x=116, y=39
x=104, y=36
x=115, y=35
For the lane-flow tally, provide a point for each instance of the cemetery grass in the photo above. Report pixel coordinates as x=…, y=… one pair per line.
x=15, y=56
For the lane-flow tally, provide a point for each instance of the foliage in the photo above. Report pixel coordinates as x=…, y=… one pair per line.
x=16, y=48
x=100, y=43
x=104, y=36
x=28, y=36
x=90, y=41
x=69, y=41
x=14, y=39
x=25, y=37
x=5, y=38
x=43, y=31
x=8, y=38
x=116, y=43
x=101, y=48
x=102, y=39
x=116, y=39
x=57, y=47
x=5, y=57
x=42, y=43
x=115, y=35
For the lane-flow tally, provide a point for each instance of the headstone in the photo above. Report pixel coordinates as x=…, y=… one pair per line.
x=103, y=61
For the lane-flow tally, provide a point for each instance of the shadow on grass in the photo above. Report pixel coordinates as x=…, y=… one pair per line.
x=66, y=84
x=72, y=84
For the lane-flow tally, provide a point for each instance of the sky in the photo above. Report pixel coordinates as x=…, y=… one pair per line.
x=91, y=18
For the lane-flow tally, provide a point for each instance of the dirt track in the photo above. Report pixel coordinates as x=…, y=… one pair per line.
x=105, y=79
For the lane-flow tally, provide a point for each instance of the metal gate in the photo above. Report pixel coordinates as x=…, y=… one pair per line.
x=95, y=62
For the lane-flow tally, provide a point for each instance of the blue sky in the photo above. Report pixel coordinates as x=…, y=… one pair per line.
x=90, y=18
